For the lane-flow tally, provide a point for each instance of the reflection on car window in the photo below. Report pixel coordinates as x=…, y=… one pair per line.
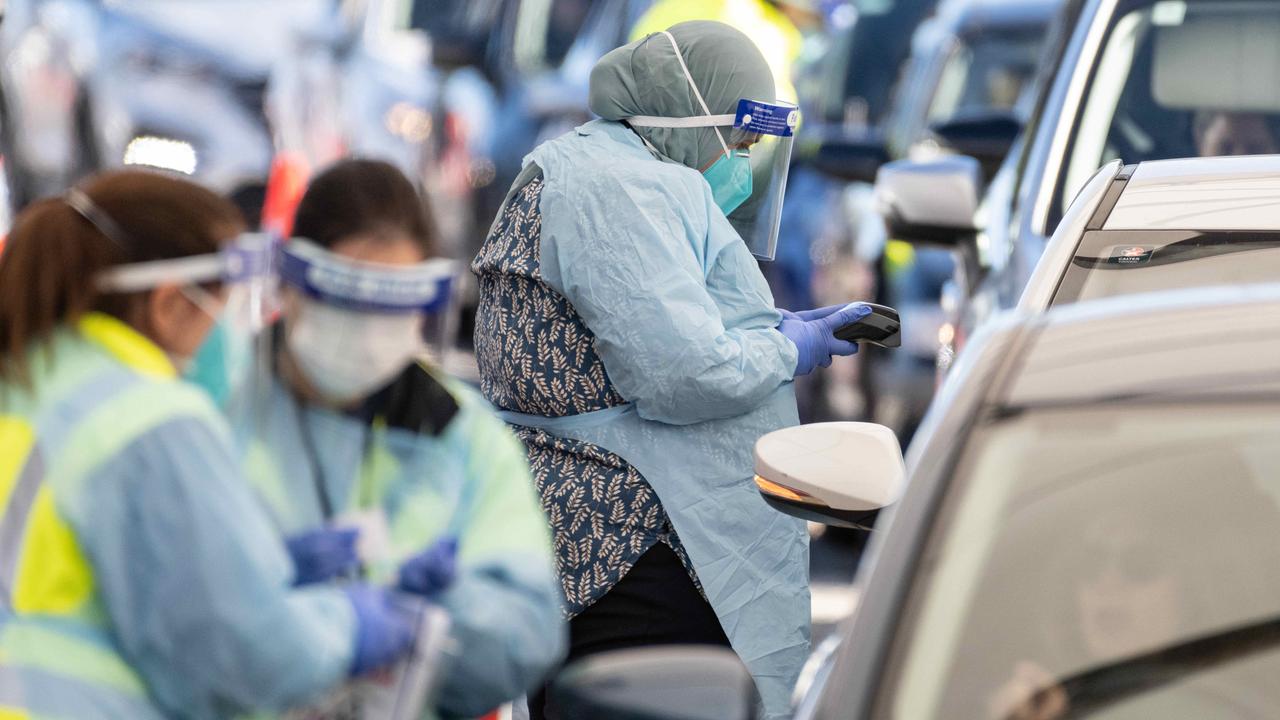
x=1108, y=264
x=1157, y=92
x=990, y=73
x=1071, y=539
x=546, y=30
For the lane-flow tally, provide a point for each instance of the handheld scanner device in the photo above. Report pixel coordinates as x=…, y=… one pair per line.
x=881, y=327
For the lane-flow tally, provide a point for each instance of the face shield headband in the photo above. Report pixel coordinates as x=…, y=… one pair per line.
x=748, y=184
x=367, y=287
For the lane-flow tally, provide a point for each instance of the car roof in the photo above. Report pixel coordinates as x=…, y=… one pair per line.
x=1225, y=193
x=1159, y=346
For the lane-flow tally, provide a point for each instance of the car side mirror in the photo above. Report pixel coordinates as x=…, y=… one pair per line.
x=853, y=158
x=987, y=137
x=840, y=473
x=930, y=202
x=657, y=683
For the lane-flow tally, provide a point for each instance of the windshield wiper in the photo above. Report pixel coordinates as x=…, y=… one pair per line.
x=1096, y=689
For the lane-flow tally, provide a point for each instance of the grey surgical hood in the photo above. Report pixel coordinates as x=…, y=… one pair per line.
x=644, y=78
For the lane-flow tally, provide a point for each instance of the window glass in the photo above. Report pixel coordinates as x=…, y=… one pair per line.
x=545, y=30
x=1157, y=91
x=1129, y=262
x=1074, y=539
x=988, y=73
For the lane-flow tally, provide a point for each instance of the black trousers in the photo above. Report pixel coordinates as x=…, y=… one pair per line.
x=654, y=604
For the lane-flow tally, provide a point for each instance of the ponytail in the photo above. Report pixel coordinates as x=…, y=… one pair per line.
x=55, y=252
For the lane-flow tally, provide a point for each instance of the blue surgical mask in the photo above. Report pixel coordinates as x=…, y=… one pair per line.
x=730, y=180
x=219, y=364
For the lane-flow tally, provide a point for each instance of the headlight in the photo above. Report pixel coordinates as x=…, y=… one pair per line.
x=163, y=153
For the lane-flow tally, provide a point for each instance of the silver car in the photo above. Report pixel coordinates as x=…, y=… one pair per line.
x=1089, y=527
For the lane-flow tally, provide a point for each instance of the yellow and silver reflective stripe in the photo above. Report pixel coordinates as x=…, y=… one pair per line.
x=13, y=523
x=53, y=427
x=70, y=652
x=39, y=694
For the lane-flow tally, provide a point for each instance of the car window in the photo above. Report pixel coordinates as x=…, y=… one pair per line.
x=447, y=18
x=545, y=30
x=1111, y=263
x=1156, y=91
x=1071, y=539
x=989, y=72
x=865, y=61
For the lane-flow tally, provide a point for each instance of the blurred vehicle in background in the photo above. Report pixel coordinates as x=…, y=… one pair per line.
x=366, y=86
x=844, y=98
x=1134, y=80
x=965, y=89
x=1036, y=561
x=94, y=84
x=540, y=57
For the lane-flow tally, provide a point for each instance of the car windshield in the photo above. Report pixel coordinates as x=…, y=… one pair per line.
x=1157, y=90
x=1110, y=263
x=986, y=73
x=1075, y=539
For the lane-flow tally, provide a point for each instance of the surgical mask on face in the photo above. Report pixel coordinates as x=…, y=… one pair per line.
x=347, y=355
x=221, y=362
x=730, y=179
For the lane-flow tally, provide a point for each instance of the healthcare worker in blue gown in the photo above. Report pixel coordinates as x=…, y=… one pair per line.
x=374, y=463
x=139, y=577
x=626, y=332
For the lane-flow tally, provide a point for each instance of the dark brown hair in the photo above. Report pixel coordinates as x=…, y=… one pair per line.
x=363, y=197
x=49, y=263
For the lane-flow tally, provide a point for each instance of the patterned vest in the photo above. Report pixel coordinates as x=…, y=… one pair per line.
x=537, y=357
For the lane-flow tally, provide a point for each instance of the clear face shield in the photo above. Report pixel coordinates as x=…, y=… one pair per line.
x=765, y=132
x=749, y=180
x=356, y=325
x=235, y=287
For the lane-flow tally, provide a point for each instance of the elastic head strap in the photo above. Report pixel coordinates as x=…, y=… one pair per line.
x=86, y=208
x=650, y=121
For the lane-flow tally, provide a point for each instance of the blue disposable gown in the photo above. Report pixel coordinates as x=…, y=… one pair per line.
x=197, y=584
x=469, y=481
x=685, y=325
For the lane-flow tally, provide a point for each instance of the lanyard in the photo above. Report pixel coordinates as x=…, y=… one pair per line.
x=366, y=490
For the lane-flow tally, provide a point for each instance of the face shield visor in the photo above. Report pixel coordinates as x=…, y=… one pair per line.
x=749, y=179
x=235, y=287
x=765, y=132
x=358, y=324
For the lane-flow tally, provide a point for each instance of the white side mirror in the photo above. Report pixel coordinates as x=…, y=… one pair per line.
x=839, y=473
x=933, y=201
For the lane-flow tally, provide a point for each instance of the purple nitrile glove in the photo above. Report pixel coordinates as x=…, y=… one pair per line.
x=324, y=554
x=815, y=338
x=384, y=630
x=815, y=314
x=431, y=571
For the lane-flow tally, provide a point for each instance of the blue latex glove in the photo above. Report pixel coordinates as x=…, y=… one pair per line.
x=384, y=631
x=325, y=554
x=813, y=334
x=431, y=571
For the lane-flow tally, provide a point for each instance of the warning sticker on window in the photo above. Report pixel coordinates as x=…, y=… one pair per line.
x=1130, y=254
